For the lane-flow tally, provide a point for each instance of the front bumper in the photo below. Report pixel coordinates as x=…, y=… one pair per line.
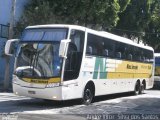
x=43, y=93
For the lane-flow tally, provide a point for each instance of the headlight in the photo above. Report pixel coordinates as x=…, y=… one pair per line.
x=14, y=80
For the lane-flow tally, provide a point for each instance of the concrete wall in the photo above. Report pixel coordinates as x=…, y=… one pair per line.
x=5, y=14
x=5, y=8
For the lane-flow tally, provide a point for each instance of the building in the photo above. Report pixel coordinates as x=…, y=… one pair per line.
x=5, y=16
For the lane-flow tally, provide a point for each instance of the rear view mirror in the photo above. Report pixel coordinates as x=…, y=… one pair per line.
x=63, y=48
x=10, y=47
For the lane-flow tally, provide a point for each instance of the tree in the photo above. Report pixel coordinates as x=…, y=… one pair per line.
x=97, y=14
x=152, y=36
x=141, y=20
x=37, y=12
x=7, y=58
x=136, y=18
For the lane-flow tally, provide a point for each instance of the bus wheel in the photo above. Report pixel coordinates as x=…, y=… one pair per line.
x=137, y=88
x=142, y=89
x=87, y=96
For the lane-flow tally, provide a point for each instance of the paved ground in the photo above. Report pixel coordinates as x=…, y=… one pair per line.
x=119, y=105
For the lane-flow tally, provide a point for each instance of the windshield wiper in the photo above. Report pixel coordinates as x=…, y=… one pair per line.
x=35, y=61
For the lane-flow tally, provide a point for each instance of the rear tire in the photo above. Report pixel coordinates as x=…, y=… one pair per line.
x=88, y=95
x=137, y=88
x=142, y=89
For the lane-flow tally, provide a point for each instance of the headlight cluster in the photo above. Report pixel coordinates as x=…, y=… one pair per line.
x=14, y=79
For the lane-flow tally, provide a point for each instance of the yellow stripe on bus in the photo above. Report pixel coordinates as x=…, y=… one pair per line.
x=42, y=81
x=115, y=75
x=127, y=69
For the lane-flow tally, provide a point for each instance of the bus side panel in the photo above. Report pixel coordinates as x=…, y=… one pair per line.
x=107, y=80
x=72, y=89
x=135, y=71
x=115, y=76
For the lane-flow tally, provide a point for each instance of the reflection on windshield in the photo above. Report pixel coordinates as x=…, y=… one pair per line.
x=38, y=60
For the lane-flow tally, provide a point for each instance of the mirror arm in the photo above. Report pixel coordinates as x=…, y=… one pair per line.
x=8, y=46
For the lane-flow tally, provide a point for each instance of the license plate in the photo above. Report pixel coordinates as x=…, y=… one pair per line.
x=31, y=92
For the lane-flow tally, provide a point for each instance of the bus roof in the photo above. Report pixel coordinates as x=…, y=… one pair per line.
x=57, y=26
x=99, y=33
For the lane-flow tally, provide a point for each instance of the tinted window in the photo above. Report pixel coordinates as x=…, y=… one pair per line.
x=44, y=34
x=120, y=50
x=100, y=46
x=129, y=52
x=93, y=45
x=74, y=55
x=106, y=47
x=109, y=46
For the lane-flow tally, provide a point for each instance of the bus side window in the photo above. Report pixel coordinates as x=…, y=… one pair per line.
x=137, y=55
x=71, y=57
x=105, y=52
x=119, y=50
x=130, y=57
x=92, y=45
x=129, y=52
x=118, y=55
x=89, y=50
x=143, y=59
x=109, y=45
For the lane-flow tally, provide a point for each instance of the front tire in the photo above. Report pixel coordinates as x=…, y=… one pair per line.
x=88, y=95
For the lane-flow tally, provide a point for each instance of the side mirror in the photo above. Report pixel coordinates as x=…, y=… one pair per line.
x=63, y=48
x=10, y=47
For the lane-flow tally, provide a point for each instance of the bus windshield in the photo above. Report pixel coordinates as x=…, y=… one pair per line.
x=38, y=53
x=38, y=60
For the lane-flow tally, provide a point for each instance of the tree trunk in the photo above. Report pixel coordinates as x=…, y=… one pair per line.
x=7, y=66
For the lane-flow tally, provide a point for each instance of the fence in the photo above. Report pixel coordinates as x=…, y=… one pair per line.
x=4, y=31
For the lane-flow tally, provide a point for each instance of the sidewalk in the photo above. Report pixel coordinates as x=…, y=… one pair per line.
x=7, y=91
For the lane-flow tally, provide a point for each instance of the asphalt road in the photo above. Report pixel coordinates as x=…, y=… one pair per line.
x=119, y=106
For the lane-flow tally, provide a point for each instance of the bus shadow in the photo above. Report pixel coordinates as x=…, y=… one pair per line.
x=69, y=103
x=112, y=96
x=20, y=106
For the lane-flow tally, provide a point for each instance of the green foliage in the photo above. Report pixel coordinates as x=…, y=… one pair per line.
x=37, y=12
x=135, y=19
x=141, y=20
x=96, y=14
x=123, y=4
x=153, y=29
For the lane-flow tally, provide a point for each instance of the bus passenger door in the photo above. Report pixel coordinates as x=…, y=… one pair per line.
x=74, y=55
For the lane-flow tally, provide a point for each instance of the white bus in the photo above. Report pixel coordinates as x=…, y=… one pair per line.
x=63, y=62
